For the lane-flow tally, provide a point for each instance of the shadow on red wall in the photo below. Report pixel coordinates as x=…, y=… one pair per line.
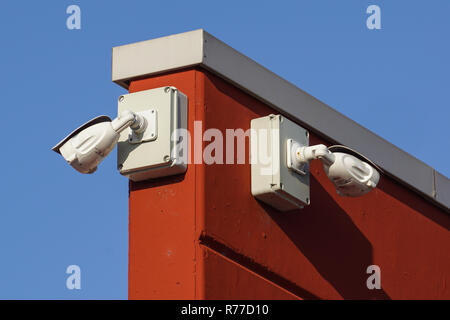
x=329, y=239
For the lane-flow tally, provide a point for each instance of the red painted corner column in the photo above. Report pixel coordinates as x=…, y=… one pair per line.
x=166, y=216
x=202, y=235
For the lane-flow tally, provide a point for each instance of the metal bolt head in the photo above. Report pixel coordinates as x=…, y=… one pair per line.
x=121, y=98
x=166, y=158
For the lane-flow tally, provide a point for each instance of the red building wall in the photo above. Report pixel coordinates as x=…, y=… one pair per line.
x=202, y=235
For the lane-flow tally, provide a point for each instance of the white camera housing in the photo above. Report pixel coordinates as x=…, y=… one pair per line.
x=88, y=148
x=351, y=176
x=89, y=144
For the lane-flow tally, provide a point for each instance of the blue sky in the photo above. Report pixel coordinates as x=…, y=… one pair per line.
x=394, y=81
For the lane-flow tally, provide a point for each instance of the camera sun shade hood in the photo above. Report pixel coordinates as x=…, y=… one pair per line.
x=356, y=154
x=96, y=120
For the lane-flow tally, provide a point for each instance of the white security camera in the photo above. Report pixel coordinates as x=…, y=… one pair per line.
x=88, y=145
x=351, y=176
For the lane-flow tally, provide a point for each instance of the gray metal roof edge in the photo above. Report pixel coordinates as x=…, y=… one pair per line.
x=151, y=57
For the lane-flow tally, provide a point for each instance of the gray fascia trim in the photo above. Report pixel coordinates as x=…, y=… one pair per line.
x=198, y=47
x=442, y=184
x=145, y=58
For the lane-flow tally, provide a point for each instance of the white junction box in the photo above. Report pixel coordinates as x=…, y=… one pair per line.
x=274, y=178
x=156, y=152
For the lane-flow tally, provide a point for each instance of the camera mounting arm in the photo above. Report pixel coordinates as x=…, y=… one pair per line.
x=319, y=151
x=128, y=118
